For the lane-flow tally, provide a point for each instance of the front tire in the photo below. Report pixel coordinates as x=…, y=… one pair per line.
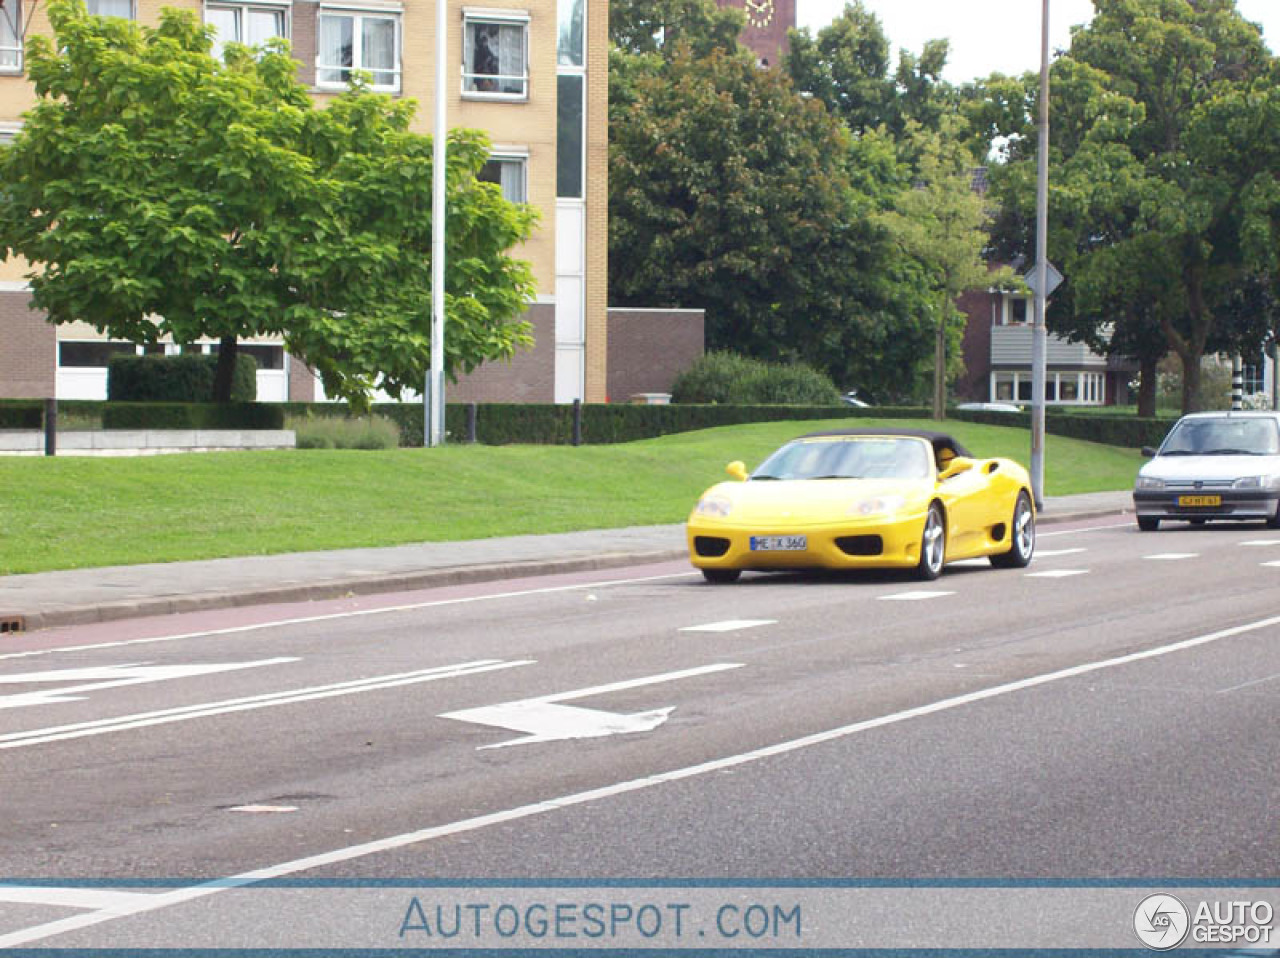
x=1022, y=532
x=933, y=545
x=721, y=576
x=1148, y=523
x=1273, y=521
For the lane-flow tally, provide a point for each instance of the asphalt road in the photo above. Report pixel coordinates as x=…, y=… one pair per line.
x=1107, y=714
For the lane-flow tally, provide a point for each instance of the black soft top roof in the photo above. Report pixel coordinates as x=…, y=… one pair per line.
x=939, y=440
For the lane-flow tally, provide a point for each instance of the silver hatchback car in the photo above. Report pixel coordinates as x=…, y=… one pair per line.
x=1213, y=466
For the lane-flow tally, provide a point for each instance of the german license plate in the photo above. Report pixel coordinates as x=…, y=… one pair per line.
x=1192, y=501
x=779, y=543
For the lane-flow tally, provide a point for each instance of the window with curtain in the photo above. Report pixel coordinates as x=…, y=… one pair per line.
x=495, y=57
x=359, y=41
x=509, y=173
x=111, y=8
x=243, y=23
x=11, y=35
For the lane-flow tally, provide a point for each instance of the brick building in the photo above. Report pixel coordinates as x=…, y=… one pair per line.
x=765, y=32
x=532, y=73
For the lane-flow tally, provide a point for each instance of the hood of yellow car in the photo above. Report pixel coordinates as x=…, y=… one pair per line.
x=818, y=500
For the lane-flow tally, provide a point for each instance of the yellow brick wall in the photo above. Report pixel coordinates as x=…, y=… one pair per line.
x=597, y=196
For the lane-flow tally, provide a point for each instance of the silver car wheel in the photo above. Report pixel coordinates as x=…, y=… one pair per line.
x=933, y=545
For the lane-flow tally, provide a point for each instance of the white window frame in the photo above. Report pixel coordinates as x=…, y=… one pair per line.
x=519, y=158
x=133, y=10
x=241, y=8
x=13, y=17
x=359, y=14
x=471, y=18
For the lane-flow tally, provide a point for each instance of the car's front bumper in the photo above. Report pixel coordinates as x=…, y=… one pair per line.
x=885, y=543
x=1236, y=504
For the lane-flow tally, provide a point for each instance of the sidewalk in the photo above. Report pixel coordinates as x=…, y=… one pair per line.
x=75, y=597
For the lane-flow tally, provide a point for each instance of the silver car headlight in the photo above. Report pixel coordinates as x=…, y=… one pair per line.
x=875, y=506
x=717, y=507
x=1149, y=484
x=1269, y=483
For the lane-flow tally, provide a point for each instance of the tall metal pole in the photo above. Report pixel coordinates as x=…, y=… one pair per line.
x=434, y=413
x=1039, y=335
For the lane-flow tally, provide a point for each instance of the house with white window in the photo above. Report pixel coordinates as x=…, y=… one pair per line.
x=533, y=74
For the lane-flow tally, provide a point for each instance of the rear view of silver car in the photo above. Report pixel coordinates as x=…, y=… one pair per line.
x=1213, y=466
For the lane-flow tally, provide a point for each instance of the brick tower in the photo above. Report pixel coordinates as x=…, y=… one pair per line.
x=766, y=29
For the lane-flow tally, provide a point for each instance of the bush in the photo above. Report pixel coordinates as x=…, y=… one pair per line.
x=332, y=432
x=236, y=415
x=184, y=378
x=727, y=378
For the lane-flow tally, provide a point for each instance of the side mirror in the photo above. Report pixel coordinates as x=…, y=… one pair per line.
x=1149, y=451
x=956, y=466
x=737, y=469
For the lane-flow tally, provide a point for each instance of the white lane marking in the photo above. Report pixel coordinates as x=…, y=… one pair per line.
x=1056, y=573
x=1273, y=564
x=353, y=852
x=110, y=677
x=1050, y=553
x=95, y=899
x=264, y=809
x=1172, y=556
x=42, y=736
x=543, y=719
x=1261, y=542
x=1251, y=683
x=354, y=613
x=914, y=596
x=729, y=625
x=1040, y=534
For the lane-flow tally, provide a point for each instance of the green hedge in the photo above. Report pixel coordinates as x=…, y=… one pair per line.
x=1128, y=431
x=22, y=414
x=156, y=415
x=184, y=378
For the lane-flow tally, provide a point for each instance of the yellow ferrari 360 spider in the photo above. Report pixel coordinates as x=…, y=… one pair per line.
x=864, y=498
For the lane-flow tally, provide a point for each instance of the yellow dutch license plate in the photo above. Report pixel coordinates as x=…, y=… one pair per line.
x=1193, y=501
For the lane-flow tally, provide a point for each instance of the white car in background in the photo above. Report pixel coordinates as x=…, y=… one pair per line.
x=1212, y=466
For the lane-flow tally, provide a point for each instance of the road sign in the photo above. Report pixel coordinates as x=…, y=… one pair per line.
x=1053, y=279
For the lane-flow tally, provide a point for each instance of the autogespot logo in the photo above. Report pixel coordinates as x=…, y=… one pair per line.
x=1161, y=922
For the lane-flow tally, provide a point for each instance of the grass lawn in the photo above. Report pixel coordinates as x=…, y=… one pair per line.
x=73, y=512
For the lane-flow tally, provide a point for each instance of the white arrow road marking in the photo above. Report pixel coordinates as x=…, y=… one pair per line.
x=913, y=596
x=42, y=736
x=545, y=720
x=729, y=625
x=109, y=677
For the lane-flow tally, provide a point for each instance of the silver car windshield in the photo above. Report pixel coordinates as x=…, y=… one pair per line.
x=1223, y=437
x=853, y=458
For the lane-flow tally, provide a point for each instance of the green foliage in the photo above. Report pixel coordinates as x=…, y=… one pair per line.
x=21, y=414
x=192, y=416
x=652, y=26
x=725, y=377
x=156, y=190
x=332, y=432
x=1129, y=431
x=184, y=378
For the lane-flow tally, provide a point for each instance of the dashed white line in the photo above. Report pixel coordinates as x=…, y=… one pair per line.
x=1050, y=553
x=1056, y=573
x=1172, y=556
x=729, y=625
x=1261, y=542
x=913, y=596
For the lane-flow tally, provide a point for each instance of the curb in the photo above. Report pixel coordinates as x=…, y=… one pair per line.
x=381, y=584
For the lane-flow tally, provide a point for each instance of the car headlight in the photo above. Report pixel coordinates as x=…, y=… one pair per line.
x=717, y=507
x=1270, y=483
x=1149, y=483
x=875, y=506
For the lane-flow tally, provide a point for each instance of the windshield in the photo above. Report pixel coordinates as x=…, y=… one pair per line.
x=849, y=458
x=1223, y=437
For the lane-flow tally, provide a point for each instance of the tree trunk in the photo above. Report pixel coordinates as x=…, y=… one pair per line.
x=1147, y=388
x=225, y=372
x=1191, y=401
x=940, y=373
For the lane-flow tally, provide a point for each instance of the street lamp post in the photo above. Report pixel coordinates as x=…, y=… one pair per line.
x=1039, y=335
x=434, y=412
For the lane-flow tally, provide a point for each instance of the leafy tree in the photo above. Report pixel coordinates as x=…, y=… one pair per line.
x=940, y=222
x=1167, y=147
x=653, y=26
x=158, y=191
x=731, y=192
